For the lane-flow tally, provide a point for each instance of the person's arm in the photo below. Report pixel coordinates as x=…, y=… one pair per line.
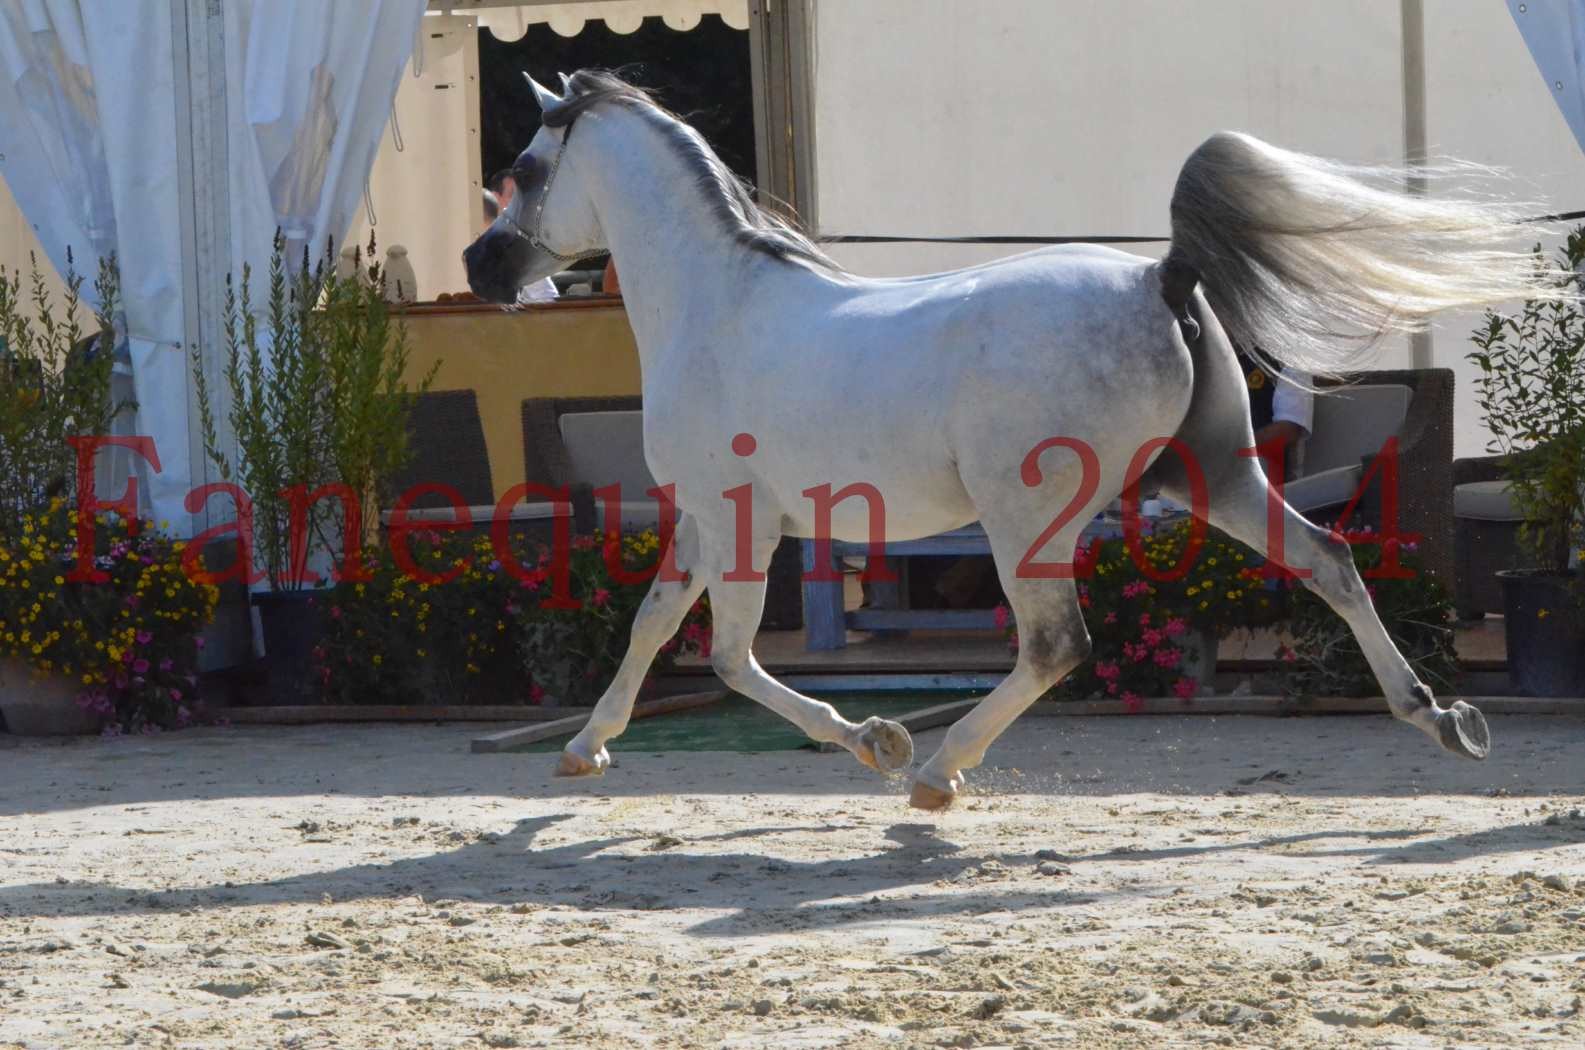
x=1292, y=412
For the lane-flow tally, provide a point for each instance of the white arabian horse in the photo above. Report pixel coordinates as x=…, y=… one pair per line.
x=936, y=389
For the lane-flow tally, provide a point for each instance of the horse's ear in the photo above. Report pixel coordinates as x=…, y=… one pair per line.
x=566, y=85
x=546, y=99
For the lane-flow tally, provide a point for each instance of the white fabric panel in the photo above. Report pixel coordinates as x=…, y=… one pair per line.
x=1026, y=116
x=1486, y=103
x=621, y=16
x=426, y=194
x=90, y=165
x=315, y=83
x=1555, y=33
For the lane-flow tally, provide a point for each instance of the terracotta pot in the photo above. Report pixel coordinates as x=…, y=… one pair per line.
x=38, y=703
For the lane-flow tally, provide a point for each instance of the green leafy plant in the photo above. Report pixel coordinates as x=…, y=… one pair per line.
x=1532, y=394
x=317, y=397
x=54, y=385
x=1325, y=659
x=572, y=653
x=1145, y=627
x=131, y=639
x=485, y=635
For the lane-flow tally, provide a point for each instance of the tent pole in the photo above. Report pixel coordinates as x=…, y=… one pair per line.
x=1412, y=17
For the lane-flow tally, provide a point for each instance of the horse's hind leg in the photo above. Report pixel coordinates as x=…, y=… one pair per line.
x=1238, y=501
x=659, y=616
x=735, y=610
x=1052, y=642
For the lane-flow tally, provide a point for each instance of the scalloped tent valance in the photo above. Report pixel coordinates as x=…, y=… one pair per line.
x=621, y=16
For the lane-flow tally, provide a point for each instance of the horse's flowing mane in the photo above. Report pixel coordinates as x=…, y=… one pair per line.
x=731, y=199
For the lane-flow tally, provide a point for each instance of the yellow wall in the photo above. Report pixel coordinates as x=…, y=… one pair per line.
x=556, y=350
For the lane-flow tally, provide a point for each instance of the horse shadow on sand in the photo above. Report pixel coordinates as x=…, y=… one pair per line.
x=753, y=891
x=757, y=891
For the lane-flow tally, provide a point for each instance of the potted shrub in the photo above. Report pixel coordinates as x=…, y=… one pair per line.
x=1532, y=394
x=1417, y=611
x=485, y=635
x=118, y=652
x=318, y=402
x=48, y=394
x=1155, y=634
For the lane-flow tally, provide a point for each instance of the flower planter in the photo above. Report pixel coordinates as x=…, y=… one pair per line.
x=292, y=622
x=38, y=703
x=1545, y=630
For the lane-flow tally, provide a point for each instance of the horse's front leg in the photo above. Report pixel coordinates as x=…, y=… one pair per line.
x=736, y=606
x=659, y=616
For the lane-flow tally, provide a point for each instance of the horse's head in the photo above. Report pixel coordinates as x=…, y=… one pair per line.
x=550, y=221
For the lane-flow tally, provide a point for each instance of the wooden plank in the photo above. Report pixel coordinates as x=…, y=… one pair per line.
x=1287, y=706
x=921, y=619
x=512, y=739
x=890, y=683
x=310, y=714
x=939, y=715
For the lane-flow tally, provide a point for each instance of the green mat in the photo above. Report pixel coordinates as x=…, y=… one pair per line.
x=739, y=724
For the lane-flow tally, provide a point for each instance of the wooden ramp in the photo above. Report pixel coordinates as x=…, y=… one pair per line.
x=513, y=739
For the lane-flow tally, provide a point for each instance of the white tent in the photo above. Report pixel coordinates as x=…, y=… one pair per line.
x=179, y=137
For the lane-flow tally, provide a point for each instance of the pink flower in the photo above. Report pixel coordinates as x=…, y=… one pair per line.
x=601, y=597
x=1001, y=617
x=1167, y=657
x=1176, y=627
x=199, y=641
x=144, y=637
x=1135, y=589
x=126, y=656
x=1185, y=688
x=140, y=666
x=1111, y=617
x=1133, y=703
x=166, y=664
x=1106, y=671
x=536, y=692
x=335, y=612
x=1152, y=637
x=1144, y=619
x=176, y=694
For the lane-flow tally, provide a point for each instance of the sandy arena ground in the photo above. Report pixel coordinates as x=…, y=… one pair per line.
x=1112, y=882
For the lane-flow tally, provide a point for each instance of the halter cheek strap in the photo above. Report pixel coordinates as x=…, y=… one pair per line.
x=536, y=238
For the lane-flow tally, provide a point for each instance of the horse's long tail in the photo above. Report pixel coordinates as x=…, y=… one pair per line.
x=1313, y=261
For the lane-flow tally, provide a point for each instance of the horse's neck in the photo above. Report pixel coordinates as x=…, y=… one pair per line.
x=673, y=254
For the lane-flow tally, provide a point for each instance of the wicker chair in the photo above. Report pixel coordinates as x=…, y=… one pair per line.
x=546, y=461
x=446, y=440
x=1487, y=537
x=1425, y=466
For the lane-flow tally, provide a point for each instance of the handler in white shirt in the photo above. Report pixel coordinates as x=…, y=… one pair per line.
x=502, y=187
x=1281, y=411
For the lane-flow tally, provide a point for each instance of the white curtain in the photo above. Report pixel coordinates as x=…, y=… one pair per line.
x=88, y=148
x=311, y=85
x=1554, y=31
x=87, y=132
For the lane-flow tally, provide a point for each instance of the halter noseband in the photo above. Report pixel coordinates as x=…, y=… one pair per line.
x=535, y=238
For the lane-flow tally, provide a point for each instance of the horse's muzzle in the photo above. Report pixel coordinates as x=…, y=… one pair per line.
x=495, y=263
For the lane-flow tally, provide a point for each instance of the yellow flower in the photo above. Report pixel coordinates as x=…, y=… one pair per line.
x=1541, y=615
x=377, y=659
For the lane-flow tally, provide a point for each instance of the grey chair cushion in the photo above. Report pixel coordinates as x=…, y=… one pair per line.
x=1323, y=489
x=1352, y=424
x=1485, y=501
x=605, y=448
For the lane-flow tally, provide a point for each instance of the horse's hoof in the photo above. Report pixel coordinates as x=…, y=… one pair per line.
x=1462, y=730
x=884, y=746
x=927, y=797
x=572, y=764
